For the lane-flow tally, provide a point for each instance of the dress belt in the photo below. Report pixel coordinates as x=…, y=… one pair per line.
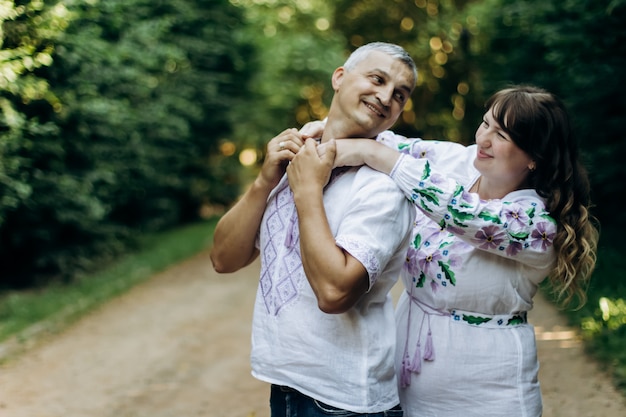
x=495, y=321
x=413, y=363
x=498, y=321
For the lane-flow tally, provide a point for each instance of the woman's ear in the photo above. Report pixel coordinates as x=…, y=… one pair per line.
x=532, y=166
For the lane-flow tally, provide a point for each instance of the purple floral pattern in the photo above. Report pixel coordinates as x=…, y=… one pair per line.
x=453, y=220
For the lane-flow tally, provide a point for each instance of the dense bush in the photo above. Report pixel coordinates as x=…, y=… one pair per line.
x=113, y=127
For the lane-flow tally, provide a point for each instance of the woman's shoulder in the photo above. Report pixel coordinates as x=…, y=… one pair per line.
x=525, y=194
x=529, y=201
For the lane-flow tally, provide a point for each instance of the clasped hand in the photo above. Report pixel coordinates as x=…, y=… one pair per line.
x=309, y=170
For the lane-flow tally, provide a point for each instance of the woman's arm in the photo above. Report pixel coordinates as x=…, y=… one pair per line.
x=356, y=152
x=432, y=175
x=517, y=226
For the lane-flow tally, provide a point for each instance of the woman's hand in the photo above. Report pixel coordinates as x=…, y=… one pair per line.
x=357, y=152
x=313, y=129
x=348, y=152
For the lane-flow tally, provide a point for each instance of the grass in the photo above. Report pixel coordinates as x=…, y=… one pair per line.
x=25, y=313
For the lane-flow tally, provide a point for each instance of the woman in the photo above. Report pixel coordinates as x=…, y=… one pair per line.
x=494, y=219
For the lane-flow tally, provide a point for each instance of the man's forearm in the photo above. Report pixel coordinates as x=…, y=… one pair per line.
x=235, y=233
x=337, y=279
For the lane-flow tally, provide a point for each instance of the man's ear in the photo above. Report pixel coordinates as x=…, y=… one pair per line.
x=337, y=77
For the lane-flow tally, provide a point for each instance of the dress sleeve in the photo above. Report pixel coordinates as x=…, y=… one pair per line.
x=451, y=158
x=415, y=147
x=517, y=226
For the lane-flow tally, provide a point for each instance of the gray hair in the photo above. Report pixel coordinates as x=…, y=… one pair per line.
x=393, y=50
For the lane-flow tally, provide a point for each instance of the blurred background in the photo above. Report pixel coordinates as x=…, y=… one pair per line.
x=121, y=118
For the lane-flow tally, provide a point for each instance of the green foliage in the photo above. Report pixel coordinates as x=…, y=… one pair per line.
x=434, y=35
x=297, y=53
x=26, y=47
x=122, y=135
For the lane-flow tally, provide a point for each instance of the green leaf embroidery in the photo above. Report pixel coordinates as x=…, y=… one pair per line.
x=547, y=217
x=515, y=320
x=417, y=242
x=426, y=171
x=425, y=207
x=447, y=272
x=485, y=215
x=445, y=243
x=519, y=236
x=459, y=224
x=421, y=281
x=475, y=319
x=429, y=194
x=459, y=215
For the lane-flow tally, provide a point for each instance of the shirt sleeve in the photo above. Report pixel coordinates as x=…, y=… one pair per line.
x=376, y=227
x=517, y=226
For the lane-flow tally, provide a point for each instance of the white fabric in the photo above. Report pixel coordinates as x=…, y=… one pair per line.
x=344, y=360
x=473, y=370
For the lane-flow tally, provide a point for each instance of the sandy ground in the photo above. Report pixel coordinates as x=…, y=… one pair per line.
x=178, y=345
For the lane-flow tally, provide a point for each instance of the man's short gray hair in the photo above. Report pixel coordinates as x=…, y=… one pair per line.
x=393, y=50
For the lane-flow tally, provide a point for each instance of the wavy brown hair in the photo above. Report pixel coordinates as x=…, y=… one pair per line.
x=538, y=123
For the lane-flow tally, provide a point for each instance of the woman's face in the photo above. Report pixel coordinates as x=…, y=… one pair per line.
x=498, y=158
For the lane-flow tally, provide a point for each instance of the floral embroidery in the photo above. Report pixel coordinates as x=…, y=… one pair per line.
x=490, y=237
x=463, y=221
x=363, y=253
x=541, y=237
x=429, y=258
x=510, y=227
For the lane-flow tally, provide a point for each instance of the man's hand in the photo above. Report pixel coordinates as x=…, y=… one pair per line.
x=309, y=172
x=280, y=151
x=235, y=233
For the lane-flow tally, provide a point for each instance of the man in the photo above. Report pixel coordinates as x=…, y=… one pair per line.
x=323, y=328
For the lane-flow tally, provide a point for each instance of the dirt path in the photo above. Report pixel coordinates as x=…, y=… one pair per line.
x=178, y=346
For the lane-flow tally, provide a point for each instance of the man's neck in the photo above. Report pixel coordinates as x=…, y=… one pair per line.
x=339, y=130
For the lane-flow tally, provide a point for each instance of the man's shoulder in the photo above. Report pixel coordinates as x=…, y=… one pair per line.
x=368, y=180
x=365, y=171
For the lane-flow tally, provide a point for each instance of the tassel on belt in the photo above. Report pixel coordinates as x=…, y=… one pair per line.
x=414, y=364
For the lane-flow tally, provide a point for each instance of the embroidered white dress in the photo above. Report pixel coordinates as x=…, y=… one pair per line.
x=344, y=360
x=472, y=269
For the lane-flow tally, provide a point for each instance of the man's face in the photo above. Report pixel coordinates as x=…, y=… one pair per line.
x=371, y=95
